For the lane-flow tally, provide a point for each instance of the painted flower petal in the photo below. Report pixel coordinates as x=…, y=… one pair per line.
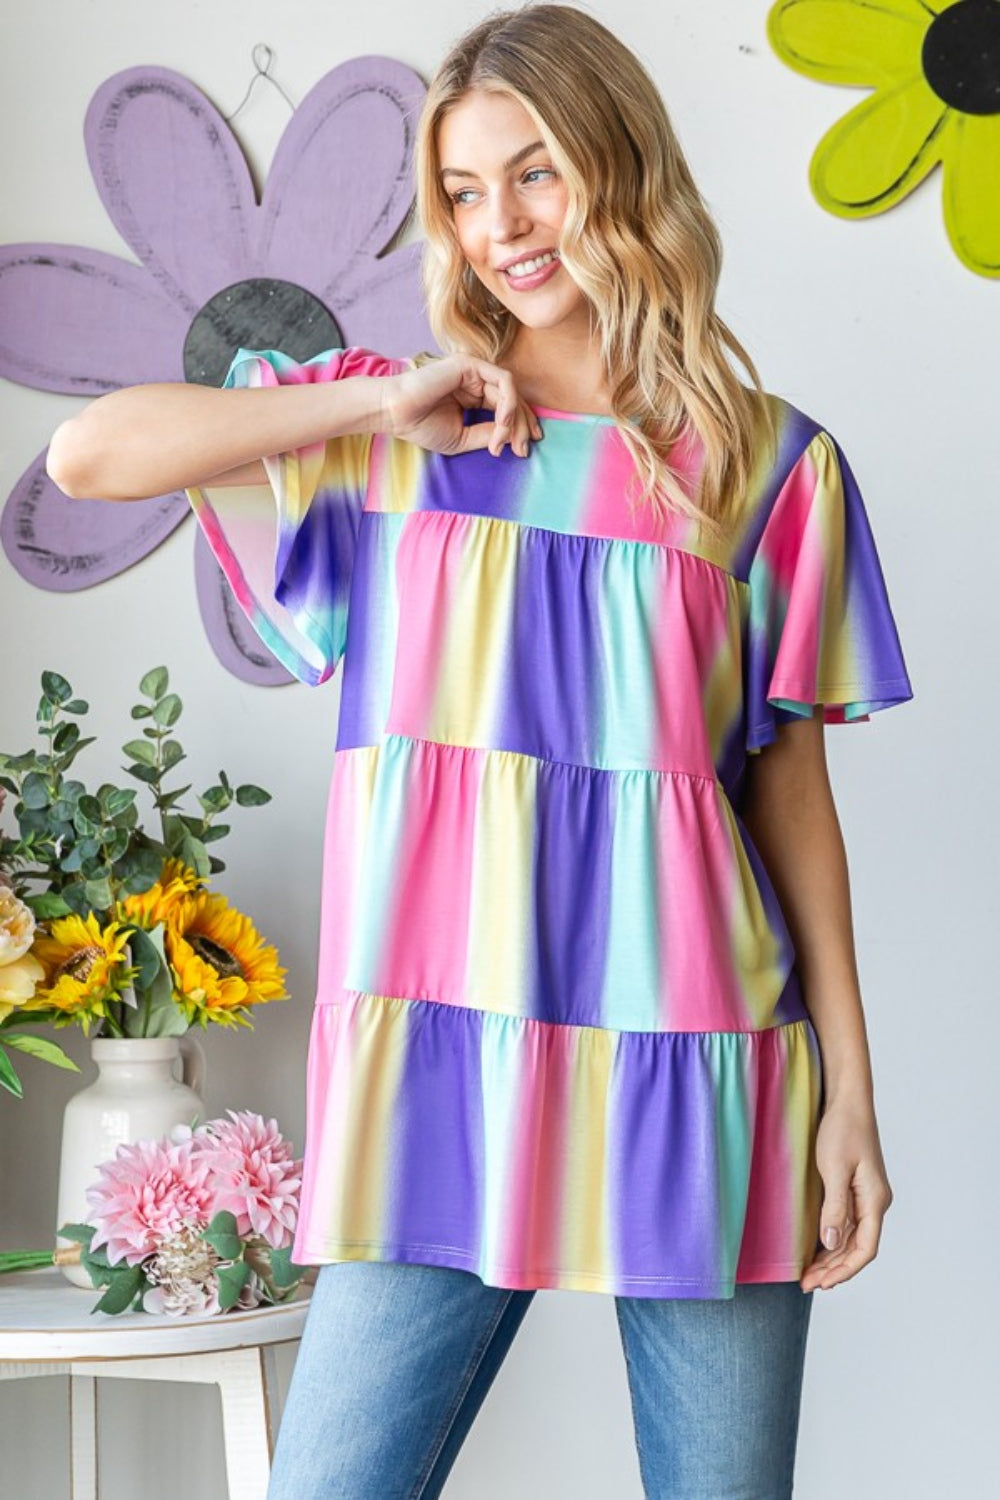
x=174, y=181
x=331, y=204
x=880, y=150
x=849, y=41
x=971, y=202
x=83, y=323
x=386, y=311
x=63, y=545
x=230, y=633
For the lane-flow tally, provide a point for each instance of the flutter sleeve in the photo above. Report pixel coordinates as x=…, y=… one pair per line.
x=287, y=547
x=821, y=629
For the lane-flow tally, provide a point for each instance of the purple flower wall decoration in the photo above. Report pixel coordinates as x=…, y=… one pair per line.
x=303, y=270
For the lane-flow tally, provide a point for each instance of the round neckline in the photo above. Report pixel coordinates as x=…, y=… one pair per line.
x=554, y=412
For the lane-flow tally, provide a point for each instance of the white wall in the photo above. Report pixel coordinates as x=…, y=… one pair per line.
x=875, y=329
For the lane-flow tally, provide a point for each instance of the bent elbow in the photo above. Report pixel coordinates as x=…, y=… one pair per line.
x=64, y=462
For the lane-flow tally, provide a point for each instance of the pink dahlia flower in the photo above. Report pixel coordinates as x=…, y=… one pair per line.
x=254, y=1175
x=146, y=1193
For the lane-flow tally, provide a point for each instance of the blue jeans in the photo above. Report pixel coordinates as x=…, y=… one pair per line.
x=396, y=1360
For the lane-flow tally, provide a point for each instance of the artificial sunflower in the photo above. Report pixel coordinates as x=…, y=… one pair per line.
x=221, y=963
x=163, y=899
x=935, y=69
x=86, y=968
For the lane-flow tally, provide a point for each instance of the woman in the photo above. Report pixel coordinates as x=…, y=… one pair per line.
x=583, y=865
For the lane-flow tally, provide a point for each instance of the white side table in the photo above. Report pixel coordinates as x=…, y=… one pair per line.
x=47, y=1328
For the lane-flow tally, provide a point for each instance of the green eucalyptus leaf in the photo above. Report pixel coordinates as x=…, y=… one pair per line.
x=35, y=791
x=76, y=897
x=223, y=1222
x=217, y=831
x=284, y=1270
x=215, y=865
x=62, y=810
x=232, y=1280
x=124, y=1285
x=168, y=710
x=252, y=796
x=119, y=799
x=154, y=684
x=171, y=799
x=48, y=905
x=72, y=861
x=83, y=1233
x=172, y=754
x=141, y=711
x=76, y=706
x=225, y=781
x=147, y=955
x=193, y=852
x=90, y=808
x=115, y=846
x=18, y=763
x=98, y=893
x=65, y=737
x=56, y=688
x=69, y=756
x=141, y=751
x=72, y=791
x=33, y=820
x=143, y=773
x=46, y=711
x=215, y=799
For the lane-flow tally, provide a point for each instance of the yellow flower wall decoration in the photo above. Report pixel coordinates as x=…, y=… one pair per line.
x=935, y=69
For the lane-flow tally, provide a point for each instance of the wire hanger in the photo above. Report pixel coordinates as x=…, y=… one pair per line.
x=261, y=71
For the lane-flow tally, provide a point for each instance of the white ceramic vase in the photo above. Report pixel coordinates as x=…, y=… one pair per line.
x=136, y=1096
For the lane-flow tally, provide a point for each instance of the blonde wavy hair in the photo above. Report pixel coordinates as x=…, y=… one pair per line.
x=637, y=239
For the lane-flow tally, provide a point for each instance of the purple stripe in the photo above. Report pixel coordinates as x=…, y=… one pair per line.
x=575, y=810
x=362, y=709
x=436, y=1184
x=319, y=563
x=550, y=702
x=663, y=1169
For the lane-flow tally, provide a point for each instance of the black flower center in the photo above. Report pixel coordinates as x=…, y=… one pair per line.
x=961, y=56
x=261, y=313
x=220, y=959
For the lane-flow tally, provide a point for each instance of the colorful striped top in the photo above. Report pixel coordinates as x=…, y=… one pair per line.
x=559, y=1038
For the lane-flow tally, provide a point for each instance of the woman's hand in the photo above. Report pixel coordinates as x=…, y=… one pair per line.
x=856, y=1192
x=425, y=406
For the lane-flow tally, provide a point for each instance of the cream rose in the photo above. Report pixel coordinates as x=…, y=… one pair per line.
x=17, y=927
x=20, y=971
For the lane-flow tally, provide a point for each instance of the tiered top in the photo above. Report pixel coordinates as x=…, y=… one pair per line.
x=550, y=953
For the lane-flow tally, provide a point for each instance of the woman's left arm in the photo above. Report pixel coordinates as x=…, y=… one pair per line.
x=789, y=812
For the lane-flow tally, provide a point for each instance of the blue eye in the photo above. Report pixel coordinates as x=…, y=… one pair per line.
x=459, y=198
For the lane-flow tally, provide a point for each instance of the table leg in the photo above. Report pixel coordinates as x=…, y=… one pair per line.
x=83, y=1437
x=246, y=1425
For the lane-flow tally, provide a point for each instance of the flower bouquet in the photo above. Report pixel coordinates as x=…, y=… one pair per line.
x=201, y=1221
x=104, y=921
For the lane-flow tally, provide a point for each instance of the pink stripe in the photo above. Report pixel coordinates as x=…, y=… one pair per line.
x=699, y=989
x=343, y=849
x=427, y=933
x=428, y=576
x=540, y=1154
x=769, y=1228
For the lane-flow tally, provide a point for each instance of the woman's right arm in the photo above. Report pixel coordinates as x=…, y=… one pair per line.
x=148, y=440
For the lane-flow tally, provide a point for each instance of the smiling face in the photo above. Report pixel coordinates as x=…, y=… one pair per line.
x=508, y=203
